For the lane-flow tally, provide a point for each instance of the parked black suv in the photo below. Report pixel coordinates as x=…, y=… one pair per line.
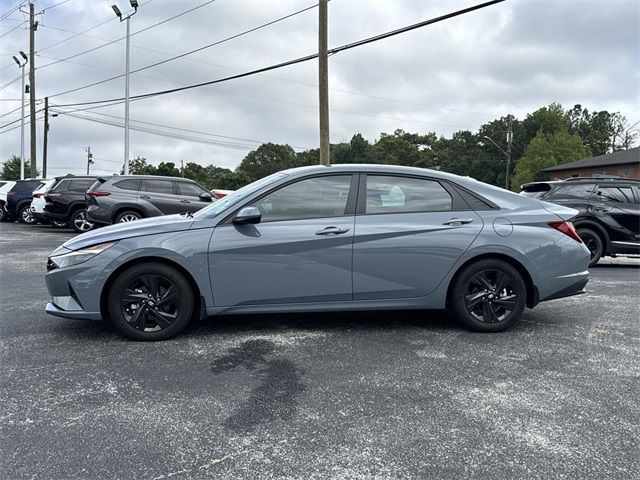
x=65, y=201
x=124, y=198
x=609, y=218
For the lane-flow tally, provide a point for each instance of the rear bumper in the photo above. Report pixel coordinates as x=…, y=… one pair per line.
x=96, y=214
x=55, y=310
x=576, y=288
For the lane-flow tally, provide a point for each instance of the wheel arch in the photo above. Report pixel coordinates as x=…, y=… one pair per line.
x=598, y=229
x=533, y=297
x=197, y=294
x=75, y=206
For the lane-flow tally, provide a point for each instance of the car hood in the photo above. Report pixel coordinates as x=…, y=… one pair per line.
x=147, y=226
x=565, y=213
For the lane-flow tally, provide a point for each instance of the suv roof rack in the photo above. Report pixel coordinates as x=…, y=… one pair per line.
x=610, y=178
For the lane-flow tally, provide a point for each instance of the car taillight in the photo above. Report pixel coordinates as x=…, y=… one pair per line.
x=567, y=228
x=98, y=193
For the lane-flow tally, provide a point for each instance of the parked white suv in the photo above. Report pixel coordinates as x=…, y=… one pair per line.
x=38, y=202
x=5, y=186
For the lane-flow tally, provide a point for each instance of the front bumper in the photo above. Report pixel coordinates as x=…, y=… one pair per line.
x=55, y=310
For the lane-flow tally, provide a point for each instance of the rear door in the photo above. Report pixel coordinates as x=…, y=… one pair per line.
x=408, y=236
x=162, y=195
x=190, y=199
x=615, y=206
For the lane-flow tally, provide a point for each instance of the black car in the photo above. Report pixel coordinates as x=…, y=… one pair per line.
x=124, y=198
x=65, y=202
x=609, y=211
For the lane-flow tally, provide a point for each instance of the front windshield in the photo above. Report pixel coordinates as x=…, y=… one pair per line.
x=221, y=205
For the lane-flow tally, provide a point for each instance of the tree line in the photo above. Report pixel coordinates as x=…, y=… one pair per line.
x=547, y=137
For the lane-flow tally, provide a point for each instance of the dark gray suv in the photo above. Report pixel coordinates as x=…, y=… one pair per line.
x=124, y=198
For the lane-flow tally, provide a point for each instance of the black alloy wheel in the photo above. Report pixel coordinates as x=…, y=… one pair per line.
x=150, y=302
x=594, y=243
x=80, y=222
x=488, y=296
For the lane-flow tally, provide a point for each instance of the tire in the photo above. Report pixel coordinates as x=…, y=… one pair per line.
x=150, y=301
x=593, y=242
x=25, y=215
x=3, y=214
x=80, y=223
x=128, y=216
x=488, y=296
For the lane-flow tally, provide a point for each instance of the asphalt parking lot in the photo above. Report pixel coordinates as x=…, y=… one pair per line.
x=353, y=395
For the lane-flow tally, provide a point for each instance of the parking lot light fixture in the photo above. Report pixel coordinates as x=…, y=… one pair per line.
x=21, y=65
x=134, y=5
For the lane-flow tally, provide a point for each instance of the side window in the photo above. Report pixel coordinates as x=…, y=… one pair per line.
x=581, y=191
x=386, y=194
x=310, y=198
x=615, y=194
x=191, y=189
x=159, y=186
x=60, y=186
x=128, y=185
x=80, y=185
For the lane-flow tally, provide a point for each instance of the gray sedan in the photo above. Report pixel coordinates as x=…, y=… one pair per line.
x=345, y=237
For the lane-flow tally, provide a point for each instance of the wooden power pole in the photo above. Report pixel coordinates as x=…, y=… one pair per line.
x=45, y=137
x=323, y=73
x=32, y=87
x=509, y=144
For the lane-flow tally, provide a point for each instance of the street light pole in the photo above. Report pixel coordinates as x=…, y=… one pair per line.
x=134, y=4
x=22, y=65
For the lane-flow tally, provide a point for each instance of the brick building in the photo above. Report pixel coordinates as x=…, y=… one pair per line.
x=624, y=163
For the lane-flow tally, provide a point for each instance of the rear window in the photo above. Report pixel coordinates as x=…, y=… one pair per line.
x=80, y=185
x=60, y=185
x=535, y=190
x=128, y=184
x=2, y=184
x=26, y=186
x=575, y=191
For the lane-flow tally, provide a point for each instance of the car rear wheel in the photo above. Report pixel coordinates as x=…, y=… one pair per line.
x=80, y=223
x=25, y=215
x=128, y=216
x=3, y=214
x=150, y=301
x=593, y=242
x=488, y=296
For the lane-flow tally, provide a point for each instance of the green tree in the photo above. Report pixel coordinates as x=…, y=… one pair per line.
x=139, y=166
x=548, y=120
x=268, y=158
x=167, y=169
x=602, y=132
x=11, y=169
x=547, y=150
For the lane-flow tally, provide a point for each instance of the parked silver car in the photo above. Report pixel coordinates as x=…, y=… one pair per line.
x=345, y=237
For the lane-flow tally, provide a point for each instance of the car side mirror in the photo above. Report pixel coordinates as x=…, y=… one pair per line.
x=247, y=215
x=206, y=197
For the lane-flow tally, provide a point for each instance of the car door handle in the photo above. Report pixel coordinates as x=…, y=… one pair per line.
x=332, y=231
x=146, y=197
x=458, y=221
x=185, y=201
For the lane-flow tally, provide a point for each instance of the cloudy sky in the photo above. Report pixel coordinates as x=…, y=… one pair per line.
x=512, y=57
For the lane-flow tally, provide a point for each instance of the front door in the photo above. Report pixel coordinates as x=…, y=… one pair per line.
x=161, y=194
x=299, y=252
x=408, y=237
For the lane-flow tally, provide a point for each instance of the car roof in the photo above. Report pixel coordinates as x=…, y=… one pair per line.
x=147, y=177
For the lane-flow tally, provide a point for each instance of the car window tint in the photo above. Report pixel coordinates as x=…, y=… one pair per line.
x=310, y=198
x=581, y=191
x=80, y=185
x=128, y=184
x=386, y=194
x=61, y=185
x=615, y=194
x=191, y=189
x=160, y=186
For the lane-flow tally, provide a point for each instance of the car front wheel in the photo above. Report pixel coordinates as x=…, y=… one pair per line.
x=150, y=301
x=488, y=296
x=128, y=216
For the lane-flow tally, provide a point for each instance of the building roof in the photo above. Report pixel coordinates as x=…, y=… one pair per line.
x=631, y=155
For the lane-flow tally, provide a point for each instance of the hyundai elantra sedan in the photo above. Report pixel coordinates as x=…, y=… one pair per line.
x=343, y=237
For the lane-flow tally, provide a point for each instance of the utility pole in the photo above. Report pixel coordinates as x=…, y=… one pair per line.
x=45, y=137
x=32, y=86
x=509, y=144
x=89, y=158
x=323, y=73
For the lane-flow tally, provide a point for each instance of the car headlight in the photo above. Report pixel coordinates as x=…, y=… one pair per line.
x=78, y=256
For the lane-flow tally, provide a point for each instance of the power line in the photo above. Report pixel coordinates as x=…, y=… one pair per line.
x=6, y=14
x=218, y=42
x=14, y=28
x=298, y=60
x=134, y=33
